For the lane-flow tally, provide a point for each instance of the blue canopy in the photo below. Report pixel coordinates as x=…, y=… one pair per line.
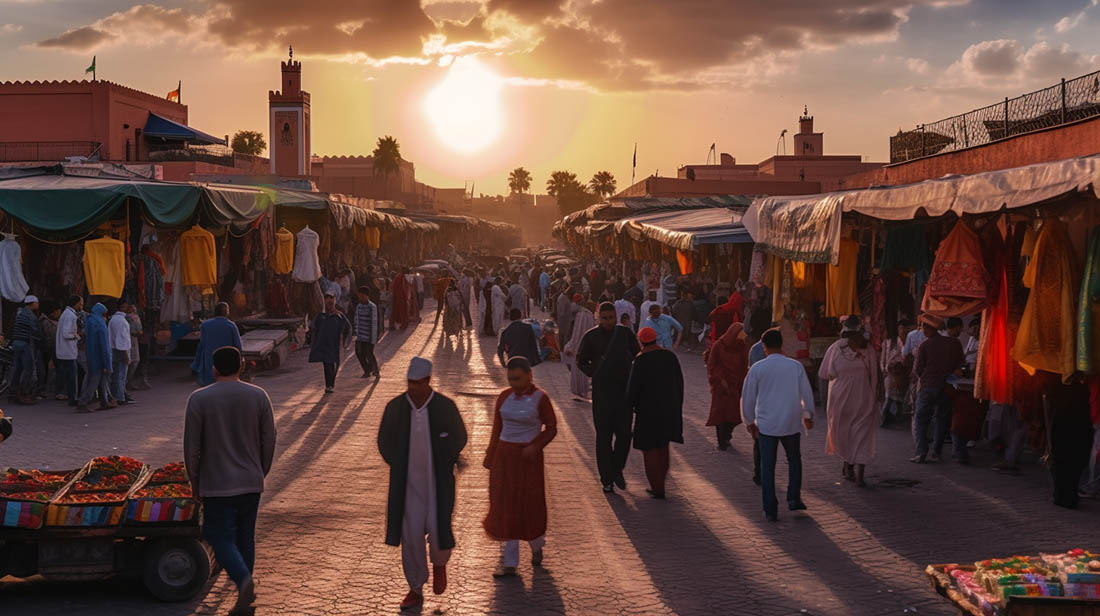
x=157, y=126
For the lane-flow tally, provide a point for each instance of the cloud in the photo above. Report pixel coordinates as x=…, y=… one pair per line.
x=9, y=28
x=917, y=65
x=141, y=24
x=1006, y=63
x=78, y=39
x=1070, y=22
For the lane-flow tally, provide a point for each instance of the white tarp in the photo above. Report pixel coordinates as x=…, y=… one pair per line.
x=808, y=228
x=687, y=229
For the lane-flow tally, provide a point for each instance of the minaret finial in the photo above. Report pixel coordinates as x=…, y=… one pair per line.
x=291, y=52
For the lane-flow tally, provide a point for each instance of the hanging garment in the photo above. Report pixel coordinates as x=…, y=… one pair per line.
x=150, y=279
x=307, y=265
x=1088, y=309
x=198, y=258
x=13, y=286
x=994, y=372
x=906, y=248
x=284, y=251
x=841, y=296
x=685, y=261
x=758, y=267
x=105, y=266
x=959, y=284
x=1047, y=338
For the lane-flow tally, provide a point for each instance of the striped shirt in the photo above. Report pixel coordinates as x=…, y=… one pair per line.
x=366, y=323
x=26, y=325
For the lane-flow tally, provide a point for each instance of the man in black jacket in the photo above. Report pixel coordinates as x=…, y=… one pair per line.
x=518, y=340
x=606, y=354
x=421, y=436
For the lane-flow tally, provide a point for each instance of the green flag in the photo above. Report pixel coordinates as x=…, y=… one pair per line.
x=91, y=69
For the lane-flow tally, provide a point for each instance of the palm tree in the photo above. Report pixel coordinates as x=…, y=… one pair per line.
x=519, y=180
x=602, y=184
x=387, y=158
x=561, y=182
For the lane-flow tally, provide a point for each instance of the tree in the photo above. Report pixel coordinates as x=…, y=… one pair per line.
x=519, y=180
x=570, y=194
x=248, y=142
x=603, y=184
x=387, y=158
x=560, y=181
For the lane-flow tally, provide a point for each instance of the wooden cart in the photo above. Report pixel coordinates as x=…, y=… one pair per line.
x=1016, y=606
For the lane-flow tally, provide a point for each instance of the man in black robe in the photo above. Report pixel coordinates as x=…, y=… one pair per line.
x=421, y=435
x=518, y=340
x=606, y=354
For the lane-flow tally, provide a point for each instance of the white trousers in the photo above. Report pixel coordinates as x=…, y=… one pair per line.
x=415, y=532
x=511, y=550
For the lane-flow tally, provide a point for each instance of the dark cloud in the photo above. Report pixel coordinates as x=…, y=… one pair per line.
x=79, y=39
x=453, y=11
x=528, y=10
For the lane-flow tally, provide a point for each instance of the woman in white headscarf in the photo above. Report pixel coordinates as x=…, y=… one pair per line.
x=579, y=382
x=499, y=297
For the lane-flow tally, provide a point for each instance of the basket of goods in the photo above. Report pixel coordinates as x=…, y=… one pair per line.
x=25, y=495
x=166, y=497
x=97, y=495
x=1078, y=570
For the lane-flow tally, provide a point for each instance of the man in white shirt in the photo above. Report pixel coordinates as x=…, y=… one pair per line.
x=118, y=332
x=651, y=301
x=466, y=290
x=68, y=336
x=774, y=412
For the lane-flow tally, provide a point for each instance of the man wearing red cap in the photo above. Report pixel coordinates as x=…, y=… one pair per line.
x=655, y=394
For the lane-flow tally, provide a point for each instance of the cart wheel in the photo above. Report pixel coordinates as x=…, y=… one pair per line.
x=175, y=569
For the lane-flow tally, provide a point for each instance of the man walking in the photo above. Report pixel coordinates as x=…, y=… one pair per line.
x=664, y=325
x=937, y=358
x=420, y=438
x=655, y=393
x=68, y=335
x=214, y=334
x=228, y=446
x=327, y=337
x=97, y=376
x=466, y=289
x=606, y=354
x=366, y=333
x=24, y=338
x=518, y=340
x=776, y=395
x=118, y=330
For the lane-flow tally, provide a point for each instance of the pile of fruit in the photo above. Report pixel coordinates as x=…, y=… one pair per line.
x=174, y=472
x=169, y=481
x=32, y=485
x=107, y=480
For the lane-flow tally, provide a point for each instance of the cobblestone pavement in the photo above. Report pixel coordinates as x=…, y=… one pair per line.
x=706, y=550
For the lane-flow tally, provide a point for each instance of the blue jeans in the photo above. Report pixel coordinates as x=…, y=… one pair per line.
x=229, y=526
x=66, y=376
x=22, y=375
x=120, y=363
x=931, y=404
x=769, y=450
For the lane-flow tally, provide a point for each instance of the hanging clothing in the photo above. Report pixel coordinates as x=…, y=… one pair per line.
x=150, y=280
x=841, y=296
x=758, y=267
x=198, y=258
x=1047, y=338
x=727, y=365
x=853, y=414
x=959, y=285
x=307, y=265
x=13, y=286
x=284, y=251
x=1088, y=309
x=686, y=262
x=105, y=266
x=995, y=371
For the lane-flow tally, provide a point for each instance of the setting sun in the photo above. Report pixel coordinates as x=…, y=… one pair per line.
x=464, y=109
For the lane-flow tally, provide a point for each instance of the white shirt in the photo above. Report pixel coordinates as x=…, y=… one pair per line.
x=624, y=307
x=520, y=420
x=645, y=308
x=118, y=331
x=66, y=338
x=420, y=481
x=769, y=400
x=465, y=287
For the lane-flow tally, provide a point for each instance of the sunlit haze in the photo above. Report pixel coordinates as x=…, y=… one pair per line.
x=464, y=109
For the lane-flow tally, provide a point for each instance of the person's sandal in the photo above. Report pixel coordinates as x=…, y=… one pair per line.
x=505, y=572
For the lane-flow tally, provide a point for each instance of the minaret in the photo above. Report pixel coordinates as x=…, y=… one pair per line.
x=288, y=137
x=807, y=142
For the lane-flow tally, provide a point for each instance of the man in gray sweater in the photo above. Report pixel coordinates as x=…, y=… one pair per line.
x=228, y=444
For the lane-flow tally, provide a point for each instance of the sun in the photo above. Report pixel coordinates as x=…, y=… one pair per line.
x=465, y=108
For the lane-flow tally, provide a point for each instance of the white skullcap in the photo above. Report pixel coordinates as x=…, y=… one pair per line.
x=419, y=368
x=30, y=299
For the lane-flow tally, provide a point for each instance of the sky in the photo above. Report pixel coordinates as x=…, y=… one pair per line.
x=474, y=88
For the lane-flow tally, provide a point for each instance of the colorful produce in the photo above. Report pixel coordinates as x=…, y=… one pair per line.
x=83, y=498
x=108, y=480
x=174, y=472
x=167, y=490
x=32, y=484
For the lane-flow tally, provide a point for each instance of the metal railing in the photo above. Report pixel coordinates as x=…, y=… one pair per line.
x=44, y=151
x=214, y=154
x=1062, y=103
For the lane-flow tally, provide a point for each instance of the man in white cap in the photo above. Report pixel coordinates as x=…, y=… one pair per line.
x=24, y=337
x=421, y=435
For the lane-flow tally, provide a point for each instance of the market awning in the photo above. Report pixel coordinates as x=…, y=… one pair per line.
x=157, y=126
x=808, y=228
x=687, y=229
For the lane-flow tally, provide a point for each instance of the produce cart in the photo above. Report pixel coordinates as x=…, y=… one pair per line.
x=113, y=517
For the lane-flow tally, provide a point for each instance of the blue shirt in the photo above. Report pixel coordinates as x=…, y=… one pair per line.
x=366, y=323
x=664, y=325
x=756, y=353
x=544, y=280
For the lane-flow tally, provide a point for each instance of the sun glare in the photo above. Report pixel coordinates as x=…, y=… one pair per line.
x=464, y=109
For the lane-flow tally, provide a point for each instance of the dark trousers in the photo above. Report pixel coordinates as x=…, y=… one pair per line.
x=756, y=459
x=611, y=458
x=656, y=468
x=364, y=352
x=466, y=312
x=229, y=526
x=725, y=432
x=330, y=373
x=931, y=404
x=22, y=376
x=769, y=449
x=66, y=377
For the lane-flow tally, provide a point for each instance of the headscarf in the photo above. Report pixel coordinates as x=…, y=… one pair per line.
x=729, y=359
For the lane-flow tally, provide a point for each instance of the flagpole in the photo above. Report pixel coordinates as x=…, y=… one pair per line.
x=179, y=92
x=634, y=164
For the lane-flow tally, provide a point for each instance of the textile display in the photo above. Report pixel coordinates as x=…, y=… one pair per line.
x=840, y=280
x=1088, y=309
x=307, y=264
x=198, y=257
x=284, y=251
x=994, y=373
x=804, y=229
x=1047, y=338
x=13, y=286
x=959, y=284
x=685, y=261
x=105, y=266
x=150, y=279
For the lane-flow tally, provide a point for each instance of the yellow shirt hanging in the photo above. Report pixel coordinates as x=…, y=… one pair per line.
x=105, y=266
x=198, y=258
x=284, y=251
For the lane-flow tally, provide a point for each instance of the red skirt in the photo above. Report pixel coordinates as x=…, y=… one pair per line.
x=517, y=496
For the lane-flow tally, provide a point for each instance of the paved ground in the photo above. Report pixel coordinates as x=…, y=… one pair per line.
x=706, y=550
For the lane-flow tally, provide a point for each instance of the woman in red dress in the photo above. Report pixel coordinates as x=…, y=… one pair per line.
x=400, y=307
x=523, y=424
x=727, y=365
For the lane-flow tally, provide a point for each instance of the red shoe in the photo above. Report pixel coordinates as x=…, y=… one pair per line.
x=439, y=579
x=411, y=600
